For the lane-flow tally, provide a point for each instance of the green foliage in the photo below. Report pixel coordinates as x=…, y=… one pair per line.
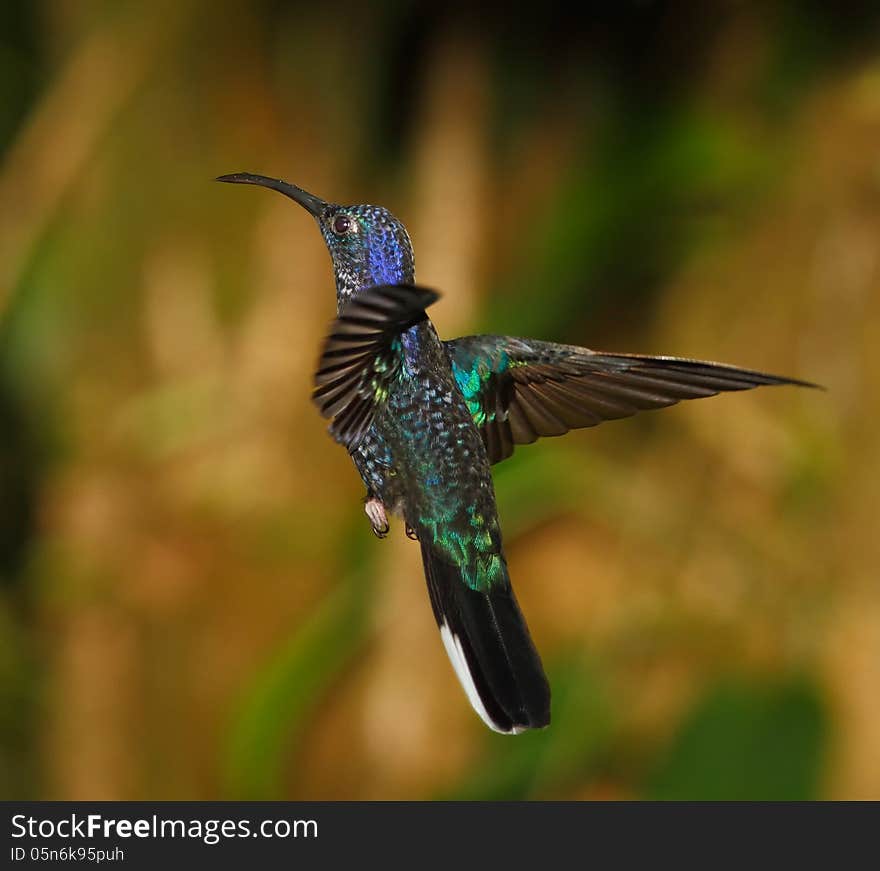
x=747, y=741
x=545, y=763
x=647, y=191
x=18, y=708
x=282, y=697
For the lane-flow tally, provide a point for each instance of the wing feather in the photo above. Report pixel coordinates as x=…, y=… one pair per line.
x=361, y=358
x=519, y=389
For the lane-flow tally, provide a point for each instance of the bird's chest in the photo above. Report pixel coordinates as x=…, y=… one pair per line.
x=424, y=436
x=425, y=414
x=410, y=442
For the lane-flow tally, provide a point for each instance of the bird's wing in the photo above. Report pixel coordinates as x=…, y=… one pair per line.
x=362, y=355
x=520, y=389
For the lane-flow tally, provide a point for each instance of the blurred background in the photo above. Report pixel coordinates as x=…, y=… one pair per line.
x=192, y=605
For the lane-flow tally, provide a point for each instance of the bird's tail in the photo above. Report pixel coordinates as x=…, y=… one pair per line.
x=488, y=642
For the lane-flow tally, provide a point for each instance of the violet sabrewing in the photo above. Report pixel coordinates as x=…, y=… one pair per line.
x=424, y=420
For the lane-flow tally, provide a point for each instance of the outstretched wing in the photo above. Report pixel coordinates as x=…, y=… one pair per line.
x=519, y=389
x=362, y=355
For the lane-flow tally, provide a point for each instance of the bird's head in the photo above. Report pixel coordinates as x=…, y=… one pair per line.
x=368, y=245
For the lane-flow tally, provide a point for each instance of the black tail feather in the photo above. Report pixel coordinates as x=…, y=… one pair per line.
x=489, y=645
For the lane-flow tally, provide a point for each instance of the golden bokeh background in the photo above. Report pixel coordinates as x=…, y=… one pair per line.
x=192, y=605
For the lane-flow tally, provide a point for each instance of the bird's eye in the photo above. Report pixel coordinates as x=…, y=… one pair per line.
x=342, y=225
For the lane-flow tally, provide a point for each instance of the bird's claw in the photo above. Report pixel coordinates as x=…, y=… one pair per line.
x=411, y=533
x=375, y=511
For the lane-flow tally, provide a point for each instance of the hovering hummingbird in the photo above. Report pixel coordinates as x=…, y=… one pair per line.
x=425, y=419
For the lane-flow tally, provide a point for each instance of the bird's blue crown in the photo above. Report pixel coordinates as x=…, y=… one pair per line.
x=369, y=247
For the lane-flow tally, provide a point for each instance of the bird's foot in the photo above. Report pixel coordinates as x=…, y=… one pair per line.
x=411, y=533
x=375, y=511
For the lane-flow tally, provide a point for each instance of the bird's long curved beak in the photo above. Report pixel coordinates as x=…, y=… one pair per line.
x=312, y=204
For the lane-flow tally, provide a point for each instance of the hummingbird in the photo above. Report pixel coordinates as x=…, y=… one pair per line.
x=424, y=420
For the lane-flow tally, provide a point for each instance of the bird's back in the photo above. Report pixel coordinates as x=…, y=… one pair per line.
x=440, y=458
x=445, y=486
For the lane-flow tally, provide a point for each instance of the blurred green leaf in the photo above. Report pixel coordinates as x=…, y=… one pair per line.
x=538, y=763
x=19, y=707
x=536, y=484
x=282, y=697
x=748, y=742
x=649, y=188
